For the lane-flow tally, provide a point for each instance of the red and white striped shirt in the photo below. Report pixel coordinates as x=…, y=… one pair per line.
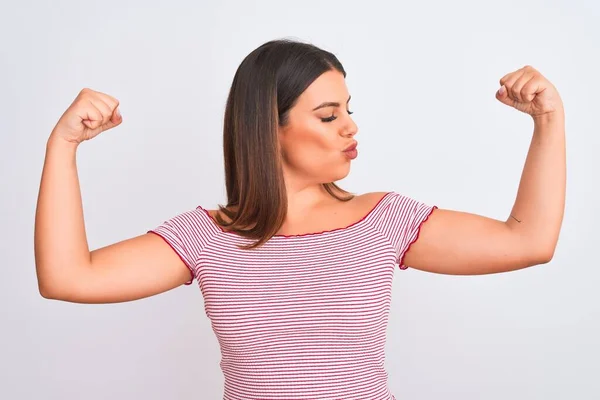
x=303, y=316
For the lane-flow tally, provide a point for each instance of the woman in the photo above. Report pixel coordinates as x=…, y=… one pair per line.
x=296, y=273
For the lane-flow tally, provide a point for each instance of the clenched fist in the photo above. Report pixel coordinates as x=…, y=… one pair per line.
x=528, y=91
x=90, y=113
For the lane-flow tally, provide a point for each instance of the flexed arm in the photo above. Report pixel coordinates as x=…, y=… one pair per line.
x=66, y=269
x=460, y=243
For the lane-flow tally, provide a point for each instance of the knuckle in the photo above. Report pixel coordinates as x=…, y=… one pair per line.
x=81, y=102
x=85, y=94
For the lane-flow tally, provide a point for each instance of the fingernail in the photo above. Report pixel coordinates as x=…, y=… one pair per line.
x=118, y=112
x=501, y=90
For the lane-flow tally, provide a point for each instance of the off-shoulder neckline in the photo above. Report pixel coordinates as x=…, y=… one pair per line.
x=309, y=234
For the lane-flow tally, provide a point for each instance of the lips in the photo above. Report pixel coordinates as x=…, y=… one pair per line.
x=351, y=147
x=351, y=152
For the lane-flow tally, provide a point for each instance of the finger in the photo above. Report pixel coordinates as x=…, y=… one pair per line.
x=517, y=88
x=506, y=77
x=93, y=117
x=114, y=107
x=110, y=115
x=115, y=121
x=510, y=85
x=111, y=101
x=502, y=96
x=531, y=88
x=116, y=117
x=103, y=107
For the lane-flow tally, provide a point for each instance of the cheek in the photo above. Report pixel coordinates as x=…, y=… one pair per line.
x=318, y=136
x=311, y=147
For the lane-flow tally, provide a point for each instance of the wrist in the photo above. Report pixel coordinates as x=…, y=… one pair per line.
x=57, y=141
x=553, y=117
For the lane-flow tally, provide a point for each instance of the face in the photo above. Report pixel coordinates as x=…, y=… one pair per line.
x=319, y=129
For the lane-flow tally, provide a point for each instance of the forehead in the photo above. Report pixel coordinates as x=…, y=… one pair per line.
x=329, y=86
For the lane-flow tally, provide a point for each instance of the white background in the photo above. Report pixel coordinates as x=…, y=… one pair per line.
x=422, y=76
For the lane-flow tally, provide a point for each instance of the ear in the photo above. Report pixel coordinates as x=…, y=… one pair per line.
x=281, y=140
x=281, y=135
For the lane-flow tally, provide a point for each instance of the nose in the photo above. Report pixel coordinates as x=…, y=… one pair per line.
x=350, y=128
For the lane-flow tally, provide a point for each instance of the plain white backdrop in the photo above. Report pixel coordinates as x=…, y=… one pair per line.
x=422, y=76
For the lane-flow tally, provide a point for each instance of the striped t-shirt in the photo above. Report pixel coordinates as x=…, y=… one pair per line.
x=302, y=316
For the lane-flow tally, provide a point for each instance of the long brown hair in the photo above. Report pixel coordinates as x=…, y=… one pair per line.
x=265, y=87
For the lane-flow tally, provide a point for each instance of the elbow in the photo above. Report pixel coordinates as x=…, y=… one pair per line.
x=546, y=255
x=48, y=286
x=47, y=291
x=539, y=251
x=52, y=288
x=45, y=287
x=56, y=282
x=45, y=294
x=52, y=293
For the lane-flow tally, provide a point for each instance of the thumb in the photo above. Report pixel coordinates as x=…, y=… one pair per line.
x=112, y=123
x=502, y=96
x=115, y=120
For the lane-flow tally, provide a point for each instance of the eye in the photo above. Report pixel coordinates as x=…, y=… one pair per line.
x=333, y=117
x=329, y=119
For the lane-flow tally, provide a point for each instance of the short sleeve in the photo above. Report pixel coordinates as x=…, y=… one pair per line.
x=400, y=222
x=187, y=234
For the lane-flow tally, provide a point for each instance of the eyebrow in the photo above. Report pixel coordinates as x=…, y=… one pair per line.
x=330, y=104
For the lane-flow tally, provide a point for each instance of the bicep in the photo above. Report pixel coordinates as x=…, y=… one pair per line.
x=132, y=269
x=460, y=243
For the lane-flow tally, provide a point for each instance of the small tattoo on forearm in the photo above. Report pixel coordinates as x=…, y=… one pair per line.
x=515, y=219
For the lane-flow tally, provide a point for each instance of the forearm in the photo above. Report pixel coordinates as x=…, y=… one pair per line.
x=538, y=211
x=61, y=247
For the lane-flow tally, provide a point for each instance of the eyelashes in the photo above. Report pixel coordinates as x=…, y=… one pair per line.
x=333, y=117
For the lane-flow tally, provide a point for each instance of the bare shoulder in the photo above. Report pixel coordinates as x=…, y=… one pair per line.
x=361, y=204
x=369, y=200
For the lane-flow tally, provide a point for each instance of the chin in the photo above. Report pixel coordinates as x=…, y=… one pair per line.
x=336, y=174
